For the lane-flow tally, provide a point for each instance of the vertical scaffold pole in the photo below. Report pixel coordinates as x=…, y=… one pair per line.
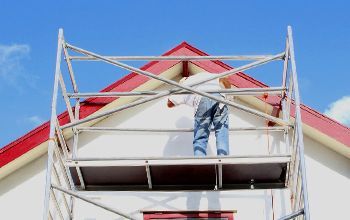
x=53, y=119
x=298, y=125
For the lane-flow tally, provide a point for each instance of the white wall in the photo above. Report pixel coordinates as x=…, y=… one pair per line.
x=157, y=115
x=249, y=204
x=22, y=192
x=328, y=178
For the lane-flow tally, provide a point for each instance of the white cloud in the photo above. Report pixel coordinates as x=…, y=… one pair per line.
x=11, y=68
x=29, y=121
x=340, y=110
x=35, y=120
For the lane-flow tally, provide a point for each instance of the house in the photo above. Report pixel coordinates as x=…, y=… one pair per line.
x=327, y=156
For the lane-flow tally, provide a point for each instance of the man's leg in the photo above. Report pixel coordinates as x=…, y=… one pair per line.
x=202, y=123
x=220, y=122
x=201, y=136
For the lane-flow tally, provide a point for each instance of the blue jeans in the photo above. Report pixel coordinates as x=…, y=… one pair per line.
x=209, y=113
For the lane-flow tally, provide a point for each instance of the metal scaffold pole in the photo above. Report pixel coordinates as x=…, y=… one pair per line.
x=51, y=146
x=298, y=126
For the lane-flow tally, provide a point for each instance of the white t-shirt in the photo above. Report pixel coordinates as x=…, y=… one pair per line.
x=194, y=99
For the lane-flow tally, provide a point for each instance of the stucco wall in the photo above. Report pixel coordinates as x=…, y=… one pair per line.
x=328, y=178
x=22, y=192
x=157, y=115
x=249, y=204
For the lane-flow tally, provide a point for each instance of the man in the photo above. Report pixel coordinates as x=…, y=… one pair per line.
x=206, y=113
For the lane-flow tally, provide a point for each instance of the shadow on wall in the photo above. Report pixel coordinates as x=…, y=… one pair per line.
x=277, y=144
x=194, y=199
x=159, y=202
x=181, y=143
x=85, y=138
x=203, y=200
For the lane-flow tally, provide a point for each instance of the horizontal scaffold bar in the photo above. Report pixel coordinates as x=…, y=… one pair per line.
x=177, y=58
x=110, y=129
x=236, y=92
x=136, y=161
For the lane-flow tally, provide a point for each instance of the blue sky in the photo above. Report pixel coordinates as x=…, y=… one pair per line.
x=28, y=42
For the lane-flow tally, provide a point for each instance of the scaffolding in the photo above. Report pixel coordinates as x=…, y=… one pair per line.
x=65, y=179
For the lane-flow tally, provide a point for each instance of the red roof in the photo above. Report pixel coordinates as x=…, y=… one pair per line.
x=40, y=134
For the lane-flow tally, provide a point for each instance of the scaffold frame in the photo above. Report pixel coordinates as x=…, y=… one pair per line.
x=67, y=157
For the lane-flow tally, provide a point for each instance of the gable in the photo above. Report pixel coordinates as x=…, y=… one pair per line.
x=316, y=124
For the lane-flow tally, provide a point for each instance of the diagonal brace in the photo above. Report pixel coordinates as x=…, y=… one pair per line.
x=293, y=215
x=188, y=88
x=76, y=195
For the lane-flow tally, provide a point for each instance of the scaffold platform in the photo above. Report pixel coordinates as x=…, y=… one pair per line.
x=255, y=172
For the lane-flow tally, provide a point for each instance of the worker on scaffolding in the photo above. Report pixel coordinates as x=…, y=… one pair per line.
x=206, y=112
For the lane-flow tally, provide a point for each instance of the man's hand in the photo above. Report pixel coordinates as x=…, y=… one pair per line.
x=225, y=83
x=170, y=104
